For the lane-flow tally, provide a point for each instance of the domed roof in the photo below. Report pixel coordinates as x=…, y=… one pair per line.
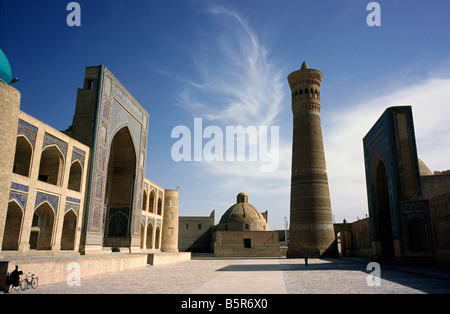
x=423, y=169
x=243, y=216
x=5, y=68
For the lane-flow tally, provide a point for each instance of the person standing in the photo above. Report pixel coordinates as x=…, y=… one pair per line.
x=13, y=279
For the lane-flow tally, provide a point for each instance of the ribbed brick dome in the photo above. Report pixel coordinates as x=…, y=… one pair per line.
x=242, y=216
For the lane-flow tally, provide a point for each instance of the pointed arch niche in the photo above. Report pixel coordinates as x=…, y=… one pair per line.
x=120, y=188
x=22, y=159
x=13, y=226
x=51, y=166
x=75, y=175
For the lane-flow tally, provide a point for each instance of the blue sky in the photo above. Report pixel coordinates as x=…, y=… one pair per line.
x=227, y=63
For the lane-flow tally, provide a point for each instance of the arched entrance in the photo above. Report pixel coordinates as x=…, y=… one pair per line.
x=42, y=228
x=144, y=201
x=51, y=166
x=12, y=227
x=120, y=189
x=383, y=212
x=344, y=237
x=22, y=159
x=159, y=206
x=75, y=176
x=151, y=203
x=68, y=231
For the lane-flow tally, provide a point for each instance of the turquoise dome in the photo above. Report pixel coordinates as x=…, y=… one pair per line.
x=5, y=68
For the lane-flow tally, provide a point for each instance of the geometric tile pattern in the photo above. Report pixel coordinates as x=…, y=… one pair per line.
x=51, y=199
x=20, y=198
x=79, y=157
x=28, y=130
x=19, y=187
x=75, y=208
x=72, y=200
x=51, y=140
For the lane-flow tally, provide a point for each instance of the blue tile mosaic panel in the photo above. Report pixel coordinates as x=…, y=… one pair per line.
x=21, y=198
x=51, y=199
x=51, y=140
x=19, y=187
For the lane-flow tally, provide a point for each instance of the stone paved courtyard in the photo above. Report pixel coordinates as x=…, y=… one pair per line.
x=253, y=276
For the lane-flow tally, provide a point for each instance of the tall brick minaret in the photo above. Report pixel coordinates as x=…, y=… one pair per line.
x=311, y=224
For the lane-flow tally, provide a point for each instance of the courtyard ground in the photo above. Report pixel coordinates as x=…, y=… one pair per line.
x=261, y=276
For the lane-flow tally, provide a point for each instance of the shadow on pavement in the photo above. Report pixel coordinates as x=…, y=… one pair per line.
x=416, y=281
x=324, y=264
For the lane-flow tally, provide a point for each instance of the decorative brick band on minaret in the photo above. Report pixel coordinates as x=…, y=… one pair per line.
x=311, y=223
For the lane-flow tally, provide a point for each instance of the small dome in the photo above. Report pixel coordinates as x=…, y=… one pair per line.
x=242, y=216
x=423, y=169
x=5, y=68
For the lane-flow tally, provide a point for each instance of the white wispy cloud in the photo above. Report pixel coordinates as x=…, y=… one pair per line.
x=239, y=84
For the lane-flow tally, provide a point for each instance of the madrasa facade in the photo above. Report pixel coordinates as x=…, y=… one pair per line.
x=81, y=190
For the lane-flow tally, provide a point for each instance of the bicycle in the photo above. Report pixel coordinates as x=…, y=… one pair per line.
x=26, y=283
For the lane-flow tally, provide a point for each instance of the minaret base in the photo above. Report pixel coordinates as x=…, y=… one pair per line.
x=306, y=241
